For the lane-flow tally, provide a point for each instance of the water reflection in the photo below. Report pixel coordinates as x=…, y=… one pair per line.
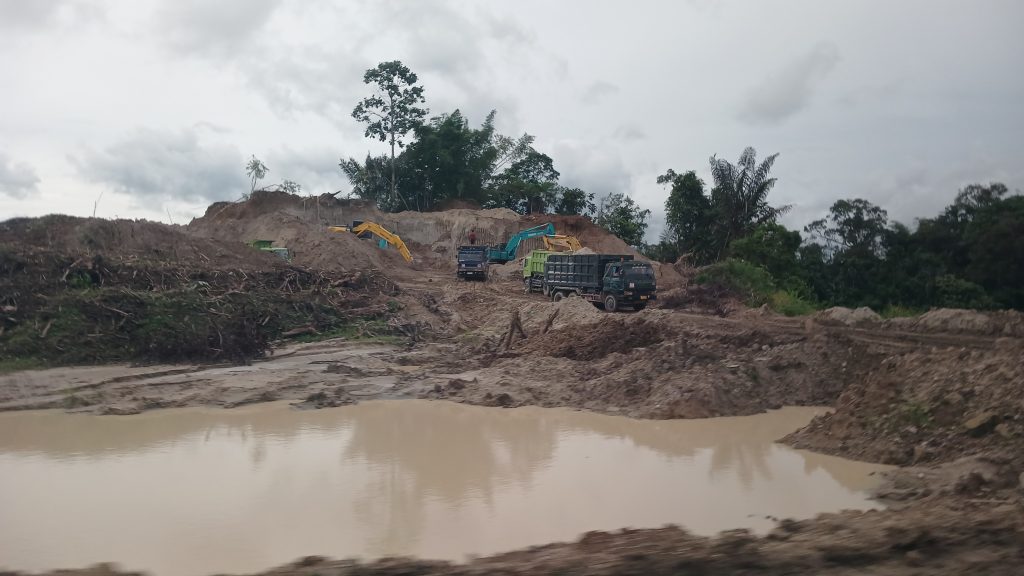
x=197, y=491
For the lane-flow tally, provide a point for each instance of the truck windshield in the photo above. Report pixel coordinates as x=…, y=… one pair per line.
x=645, y=273
x=471, y=256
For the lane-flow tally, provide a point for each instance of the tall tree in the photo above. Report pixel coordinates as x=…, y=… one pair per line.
x=256, y=170
x=529, y=185
x=620, y=215
x=392, y=111
x=369, y=181
x=574, y=201
x=740, y=195
x=688, y=217
x=851, y=226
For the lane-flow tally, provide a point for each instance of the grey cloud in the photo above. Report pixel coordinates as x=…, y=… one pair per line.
x=165, y=165
x=17, y=179
x=16, y=14
x=212, y=28
x=29, y=15
x=789, y=90
x=316, y=170
x=593, y=168
x=598, y=91
x=447, y=46
x=629, y=133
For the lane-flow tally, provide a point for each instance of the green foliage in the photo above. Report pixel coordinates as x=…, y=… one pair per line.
x=574, y=201
x=896, y=311
x=953, y=292
x=969, y=256
x=17, y=364
x=621, y=216
x=915, y=414
x=449, y=160
x=186, y=324
x=256, y=171
x=790, y=304
x=688, y=218
x=703, y=226
x=370, y=180
x=774, y=248
x=740, y=196
x=528, y=186
x=852, y=226
x=753, y=284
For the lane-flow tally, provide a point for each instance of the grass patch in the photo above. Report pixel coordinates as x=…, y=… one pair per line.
x=790, y=304
x=754, y=286
x=915, y=414
x=374, y=330
x=17, y=364
x=896, y=311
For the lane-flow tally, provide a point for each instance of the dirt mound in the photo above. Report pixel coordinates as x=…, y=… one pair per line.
x=597, y=341
x=310, y=245
x=433, y=237
x=957, y=321
x=839, y=316
x=509, y=271
x=928, y=405
x=126, y=240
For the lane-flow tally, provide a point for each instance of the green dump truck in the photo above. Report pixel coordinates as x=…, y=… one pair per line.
x=533, y=270
x=268, y=246
x=613, y=281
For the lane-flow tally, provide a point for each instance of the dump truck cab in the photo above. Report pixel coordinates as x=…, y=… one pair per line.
x=471, y=262
x=613, y=281
x=631, y=283
x=533, y=270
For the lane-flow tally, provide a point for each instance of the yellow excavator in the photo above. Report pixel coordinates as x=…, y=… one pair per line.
x=553, y=242
x=360, y=228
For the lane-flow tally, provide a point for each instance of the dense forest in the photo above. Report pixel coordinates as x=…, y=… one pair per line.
x=969, y=256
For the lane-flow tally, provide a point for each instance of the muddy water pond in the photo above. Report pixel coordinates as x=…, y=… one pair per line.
x=197, y=491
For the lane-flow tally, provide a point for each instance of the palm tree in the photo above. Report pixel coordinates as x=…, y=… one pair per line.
x=740, y=196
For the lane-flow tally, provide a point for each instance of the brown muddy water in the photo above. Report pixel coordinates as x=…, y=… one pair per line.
x=198, y=491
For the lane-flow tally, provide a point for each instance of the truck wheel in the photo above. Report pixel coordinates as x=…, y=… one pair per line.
x=559, y=296
x=610, y=303
x=526, y=285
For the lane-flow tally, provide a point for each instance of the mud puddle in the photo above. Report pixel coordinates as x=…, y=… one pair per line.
x=196, y=491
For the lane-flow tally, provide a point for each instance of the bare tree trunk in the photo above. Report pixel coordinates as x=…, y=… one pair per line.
x=394, y=189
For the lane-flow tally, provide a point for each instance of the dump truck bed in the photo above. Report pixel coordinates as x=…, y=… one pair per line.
x=579, y=270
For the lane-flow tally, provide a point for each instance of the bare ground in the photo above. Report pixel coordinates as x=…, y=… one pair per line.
x=940, y=395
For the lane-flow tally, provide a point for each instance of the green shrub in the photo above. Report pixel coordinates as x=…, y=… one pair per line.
x=789, y=304
x=898, y=311
x=752, y=284
x=953, y=292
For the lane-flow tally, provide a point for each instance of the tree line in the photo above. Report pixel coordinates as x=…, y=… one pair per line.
x=442, y=160
x=971, y=255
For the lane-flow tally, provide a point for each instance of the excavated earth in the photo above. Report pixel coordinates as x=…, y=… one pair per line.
x=941, y=395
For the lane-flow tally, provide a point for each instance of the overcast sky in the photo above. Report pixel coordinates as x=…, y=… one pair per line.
x=157, y=104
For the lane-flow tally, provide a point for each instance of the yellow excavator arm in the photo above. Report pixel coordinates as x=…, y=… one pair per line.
x=390, y=238
x=562, y=241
